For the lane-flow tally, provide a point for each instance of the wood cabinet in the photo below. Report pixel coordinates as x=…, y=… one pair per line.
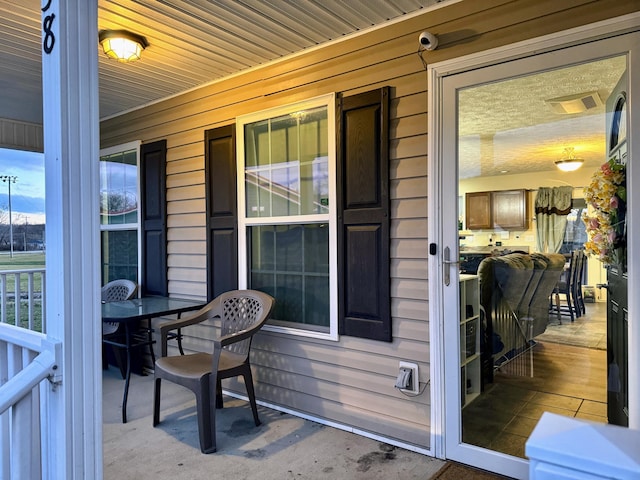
x=501, y=210
x=470, y=381
x=478, y=211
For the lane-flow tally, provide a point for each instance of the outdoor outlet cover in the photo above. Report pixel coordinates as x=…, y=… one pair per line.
x=415, y=384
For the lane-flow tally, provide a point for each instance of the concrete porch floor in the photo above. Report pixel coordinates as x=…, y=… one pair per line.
x=282, y=447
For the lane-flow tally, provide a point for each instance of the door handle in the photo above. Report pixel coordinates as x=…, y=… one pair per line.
x=446, y=263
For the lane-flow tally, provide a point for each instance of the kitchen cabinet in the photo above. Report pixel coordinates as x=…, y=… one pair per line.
x=478, y=211
x=498, y=210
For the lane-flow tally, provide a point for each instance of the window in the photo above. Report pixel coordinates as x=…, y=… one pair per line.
x=119, y=212
x=287, y=213
x=575, y=234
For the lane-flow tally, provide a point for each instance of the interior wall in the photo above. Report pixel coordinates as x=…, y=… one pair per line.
x=349, y=381
x=596, y=274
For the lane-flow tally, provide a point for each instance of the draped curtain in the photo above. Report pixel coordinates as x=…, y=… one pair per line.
x=552, y=206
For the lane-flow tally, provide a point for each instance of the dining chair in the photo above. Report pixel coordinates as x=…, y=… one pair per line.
x=577, y=283
x=565, y=288
x=114, y=291
x=241, y=314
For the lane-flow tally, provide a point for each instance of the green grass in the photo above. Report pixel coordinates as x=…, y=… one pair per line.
x=23, y=261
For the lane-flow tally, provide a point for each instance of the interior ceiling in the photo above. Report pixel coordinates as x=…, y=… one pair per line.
x=510, y=127
x=503, y=126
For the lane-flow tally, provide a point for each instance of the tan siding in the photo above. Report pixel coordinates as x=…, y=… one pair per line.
x=411, y=329
x=408, y=167
x=409, y=228
x=409, y=126
x=187, y=275
x=409, y=288
x=185, y=193
x=197, y=290
x=185, y=179
x=196, y=233
x=21, y=135
x=408, y=268
x=192, y=247
x=409, y=208
x=408, y=248
x=185, y=164
x=186, y=220
x=349, y=381
x=409, y=187
x=186, y=206
x=409, y=308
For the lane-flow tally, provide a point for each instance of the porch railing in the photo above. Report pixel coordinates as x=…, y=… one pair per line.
x=22, y=296
x=27, y=358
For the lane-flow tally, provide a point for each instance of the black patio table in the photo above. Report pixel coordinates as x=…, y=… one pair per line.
x=130, y=313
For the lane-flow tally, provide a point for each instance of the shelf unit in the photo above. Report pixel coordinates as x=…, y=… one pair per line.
x=469, y=338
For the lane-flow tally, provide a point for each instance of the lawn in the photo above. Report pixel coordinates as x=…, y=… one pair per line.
x=22, y=261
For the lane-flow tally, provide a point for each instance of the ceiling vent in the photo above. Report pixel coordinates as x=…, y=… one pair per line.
x=578, y=103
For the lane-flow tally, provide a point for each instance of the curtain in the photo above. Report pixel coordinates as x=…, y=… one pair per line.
x=552, y=206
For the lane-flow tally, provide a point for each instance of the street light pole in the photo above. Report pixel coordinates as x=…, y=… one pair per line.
x=9, y=179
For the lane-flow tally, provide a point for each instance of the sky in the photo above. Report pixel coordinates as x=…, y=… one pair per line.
x=27, y=193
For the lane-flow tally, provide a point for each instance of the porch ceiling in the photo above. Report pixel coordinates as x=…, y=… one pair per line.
x=191, y=42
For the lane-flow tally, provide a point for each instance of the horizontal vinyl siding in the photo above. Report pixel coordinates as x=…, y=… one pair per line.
x=349, y=381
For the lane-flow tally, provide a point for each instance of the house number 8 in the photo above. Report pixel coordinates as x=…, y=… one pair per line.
x=49, y=38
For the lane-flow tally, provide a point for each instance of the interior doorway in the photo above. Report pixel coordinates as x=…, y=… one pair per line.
x=520, y=348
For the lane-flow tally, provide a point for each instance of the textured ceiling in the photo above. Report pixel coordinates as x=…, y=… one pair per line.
x=508, y=125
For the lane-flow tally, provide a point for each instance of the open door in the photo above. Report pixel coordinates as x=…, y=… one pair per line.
x=499, y=133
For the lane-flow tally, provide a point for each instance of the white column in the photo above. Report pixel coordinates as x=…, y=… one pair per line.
x=73, y=440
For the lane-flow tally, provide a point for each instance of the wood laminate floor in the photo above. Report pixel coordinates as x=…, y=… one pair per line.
x=568, y=380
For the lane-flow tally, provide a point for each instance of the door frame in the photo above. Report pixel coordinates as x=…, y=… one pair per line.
x=442, y=224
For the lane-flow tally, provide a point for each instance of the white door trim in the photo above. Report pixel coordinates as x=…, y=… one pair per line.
x=436, y=74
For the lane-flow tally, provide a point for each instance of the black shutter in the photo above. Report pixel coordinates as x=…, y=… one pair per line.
x=363, y=215
x=222, y=215
x=153, y=182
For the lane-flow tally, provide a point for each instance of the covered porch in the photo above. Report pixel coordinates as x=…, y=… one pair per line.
x=283, y=446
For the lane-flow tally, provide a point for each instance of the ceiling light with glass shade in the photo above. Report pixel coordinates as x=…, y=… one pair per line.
x=122, y=45
x=569, y=163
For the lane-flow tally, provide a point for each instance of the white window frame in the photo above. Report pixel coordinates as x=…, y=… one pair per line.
x=125, y=147
x=328, y=101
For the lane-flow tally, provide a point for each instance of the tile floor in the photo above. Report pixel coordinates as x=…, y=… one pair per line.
x=589, y=331
x=569, y=379
x=503, y=418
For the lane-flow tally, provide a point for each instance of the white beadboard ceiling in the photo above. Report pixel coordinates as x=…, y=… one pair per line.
x=191, y=42
x=503, y=126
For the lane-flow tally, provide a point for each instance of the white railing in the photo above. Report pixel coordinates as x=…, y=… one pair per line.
x=22, y=296
x=26, y=359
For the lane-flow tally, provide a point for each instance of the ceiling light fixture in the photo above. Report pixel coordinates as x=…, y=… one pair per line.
x=122, y=45
x=569, y=163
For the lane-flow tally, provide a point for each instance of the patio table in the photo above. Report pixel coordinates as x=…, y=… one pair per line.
x=129, y=313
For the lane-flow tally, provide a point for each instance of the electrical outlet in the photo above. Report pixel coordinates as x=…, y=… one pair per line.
x=408, y=380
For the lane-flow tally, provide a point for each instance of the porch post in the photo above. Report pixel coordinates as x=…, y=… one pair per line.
x=73, y=435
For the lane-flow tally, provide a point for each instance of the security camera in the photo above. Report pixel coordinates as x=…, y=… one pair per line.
x=428, y=40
